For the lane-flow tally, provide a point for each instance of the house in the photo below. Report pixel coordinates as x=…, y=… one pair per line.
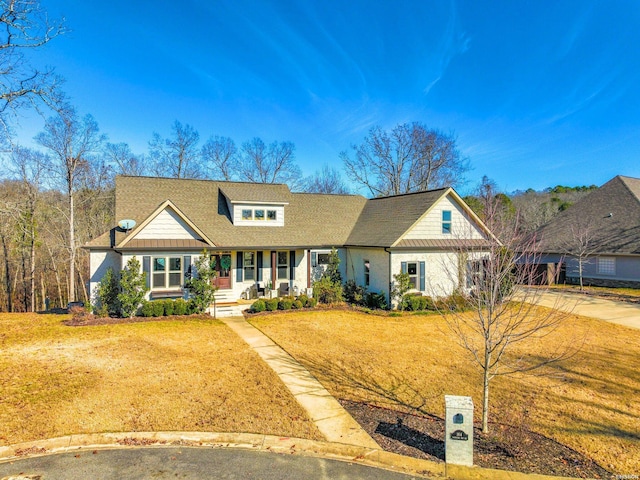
x=265, y=235
x=600, y=233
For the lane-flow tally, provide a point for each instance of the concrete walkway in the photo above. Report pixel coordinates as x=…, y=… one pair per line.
x=333, y=421
x=622, y=313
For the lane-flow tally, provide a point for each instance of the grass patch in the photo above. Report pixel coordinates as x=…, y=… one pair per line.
x=193, y=375
x=590, y=402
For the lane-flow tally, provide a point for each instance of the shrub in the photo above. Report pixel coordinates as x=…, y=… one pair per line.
x=311, y=302
x=354, y=293
x=285, y=304
x=169, y=307
x=327, y=291
x=133, y=288
x=200, y=286
x=297, y=304
x=272, y=304
x=376, y=300
x=106, y=296
x=146, y=310
x=157, y=308
x=303, y=299
x=258, y=306
x=192, y=306
x=180, y=306
x=401, y=286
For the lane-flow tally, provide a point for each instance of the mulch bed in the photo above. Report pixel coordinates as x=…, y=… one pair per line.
x=88, y=320
x=504, y=448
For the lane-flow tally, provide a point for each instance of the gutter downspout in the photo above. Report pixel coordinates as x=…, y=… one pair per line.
x=386, y=249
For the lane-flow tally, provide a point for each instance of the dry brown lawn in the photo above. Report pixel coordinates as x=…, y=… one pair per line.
x=590, y=402
x=185, y=375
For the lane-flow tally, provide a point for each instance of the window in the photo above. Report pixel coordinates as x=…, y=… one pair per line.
x=163, y=277
x=249, y=264
x=247, y=214
x=367, y=270
x=283, y=265
x=323, y=259
x=271, y=215
x=606, y=266
x=259, y=214
x=412, y=270
x=446, y=221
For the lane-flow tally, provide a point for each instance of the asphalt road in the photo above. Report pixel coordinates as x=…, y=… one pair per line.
x=187, y=463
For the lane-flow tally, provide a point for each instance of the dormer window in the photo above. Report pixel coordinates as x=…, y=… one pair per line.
x=272, y=215
x=259, y=214
x=247, y=214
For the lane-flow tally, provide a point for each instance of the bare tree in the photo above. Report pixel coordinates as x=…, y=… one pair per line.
x=123, y=160
x=503, y=314
x=29, y=169
x=25, y=26
x=581, y=244
x=178, y=156
x=327, y=180
x=409, y=158
x=273, y=163
x=71, y=141
x=220, y=157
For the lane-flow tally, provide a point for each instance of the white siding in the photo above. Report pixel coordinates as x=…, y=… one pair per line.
x=441, y=270
x=379, y=268
x=430, y=226
x=99, y=263
x=237, y=215
x=167, y=225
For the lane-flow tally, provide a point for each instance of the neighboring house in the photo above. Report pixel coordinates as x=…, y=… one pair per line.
x=264, y=234
x=602, y=232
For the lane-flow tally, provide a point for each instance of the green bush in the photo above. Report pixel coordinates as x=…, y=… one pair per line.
x=272, y=304
x=285, y=304
x=133, y=288
x=311, y=302
x=169, y=307
x=157, y=308
x=376, y=300
x=179, y=306
x=147, y=309
x=258, y=306
x=327, y=291
x=303, y=299
x=297, y=304
x=106, y=296
x=353, y=293
x=192, y=306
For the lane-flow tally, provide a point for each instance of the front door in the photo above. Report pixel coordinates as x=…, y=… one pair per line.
x=223, y=271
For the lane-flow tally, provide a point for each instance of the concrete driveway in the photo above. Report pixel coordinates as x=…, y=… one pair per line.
x=622, y=313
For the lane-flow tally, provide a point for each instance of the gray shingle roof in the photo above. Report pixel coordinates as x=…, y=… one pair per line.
x=383, y=220
x=610, y=216
x=311, y=220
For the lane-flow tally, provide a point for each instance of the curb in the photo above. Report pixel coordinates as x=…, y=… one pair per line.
x=376, y=458
x=247, y=441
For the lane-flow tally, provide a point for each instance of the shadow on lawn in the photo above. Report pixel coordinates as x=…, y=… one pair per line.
x=412, y=438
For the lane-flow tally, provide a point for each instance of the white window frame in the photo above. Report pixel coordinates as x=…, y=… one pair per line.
x=446, y=222
x=270, y=214
x=262, y=216
x=249, y=267
x=367, y=272
x=415, y=277
x=167, y=272
x=249, y=211
x=284, y=265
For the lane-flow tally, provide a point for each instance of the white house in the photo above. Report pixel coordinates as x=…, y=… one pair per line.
x=265, y=235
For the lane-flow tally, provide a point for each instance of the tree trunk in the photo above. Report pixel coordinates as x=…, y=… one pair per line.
x=7, y=274
x=485, y=396
x=33, y=271
x=580, y=274
x=72, y=251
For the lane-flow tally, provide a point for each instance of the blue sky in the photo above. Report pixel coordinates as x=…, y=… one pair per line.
x=537, y=93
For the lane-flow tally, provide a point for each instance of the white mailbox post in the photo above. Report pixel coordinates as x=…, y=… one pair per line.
x=458, y=441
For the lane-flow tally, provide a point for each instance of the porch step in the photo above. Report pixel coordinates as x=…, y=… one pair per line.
x=228, y=310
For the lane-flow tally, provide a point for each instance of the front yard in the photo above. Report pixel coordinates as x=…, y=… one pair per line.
x=190, y=374
x=589, y=402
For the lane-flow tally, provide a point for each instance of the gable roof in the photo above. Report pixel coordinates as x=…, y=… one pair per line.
x=310, y=220
x=610, y=215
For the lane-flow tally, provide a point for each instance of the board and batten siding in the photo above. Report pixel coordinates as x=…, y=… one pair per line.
x=167, y=225
x=378, y=270
x=430, y=226
x=237, y=215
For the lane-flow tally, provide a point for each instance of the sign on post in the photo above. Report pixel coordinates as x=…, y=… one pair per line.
x=458, y=441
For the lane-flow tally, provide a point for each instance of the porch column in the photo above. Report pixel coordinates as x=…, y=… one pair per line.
x=308, y=268
x=274, y=268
